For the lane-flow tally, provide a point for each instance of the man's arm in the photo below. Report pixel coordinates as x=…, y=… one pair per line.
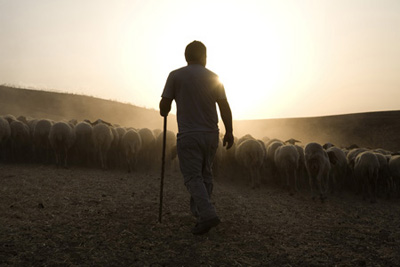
x=226, y=115
x=165, y=106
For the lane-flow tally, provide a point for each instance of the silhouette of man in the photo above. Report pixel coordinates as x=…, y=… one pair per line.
x=196, y=90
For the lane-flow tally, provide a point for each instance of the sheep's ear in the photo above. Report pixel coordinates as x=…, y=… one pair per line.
x=332, y=157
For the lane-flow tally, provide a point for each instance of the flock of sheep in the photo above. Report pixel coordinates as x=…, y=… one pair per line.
x=323, y=169
x=82, y=143
x=320, y=168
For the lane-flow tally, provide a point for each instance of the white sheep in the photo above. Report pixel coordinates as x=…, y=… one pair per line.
x=113, y=152
x=292, y=141
x=20, y=140
x=40, y=139
x=352, y=154
x=318, y=164
x=10, y=118
x=84, y=145
x=250, y=155
x=146, y=157
x=366, y=170
x=31, y=124
x=170, y=149
x=227, y=162
x=287, y=162
x=5, y=133
x=302, y=178
x=385, y=182
x=62, y=137
x=120, y=152
x=244, y=138
x=131, y=144
x=272, y=146
x=102, y=139
x=339, y=170
x=394, y=167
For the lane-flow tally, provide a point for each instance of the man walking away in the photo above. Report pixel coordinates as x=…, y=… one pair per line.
x=196, y=90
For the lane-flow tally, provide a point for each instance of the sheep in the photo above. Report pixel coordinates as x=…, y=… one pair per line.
x=40, y=138
x=169, y=149
x=287, y=162
x=366, y=170
x=5, y=130
x=351, y=156
x=62, y=137
x=265, y=139
x=131, y=143
x=148, y=142
x=5, y=133
x=102, y=139
x=318, y=164
x=228, y=163
x=339, y=170
x=394, y=167
x=216, y=167
x=385, y=183
x=156, y=132
x=10, y=118
x=31, y=124
x=302, y=175
x=83, y=146
x=328, y=145
x=20, y=140
x=292, y=141
x=113, y=152
x=272, y=146
x=250, y=154
x=120, y=154
x=244, y=138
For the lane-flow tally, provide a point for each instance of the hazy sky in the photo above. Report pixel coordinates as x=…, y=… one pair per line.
x=276, y=58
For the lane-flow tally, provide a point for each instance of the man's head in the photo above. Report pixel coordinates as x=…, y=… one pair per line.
x=196, y=53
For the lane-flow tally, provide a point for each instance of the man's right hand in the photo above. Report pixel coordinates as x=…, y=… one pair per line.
x=228, y=140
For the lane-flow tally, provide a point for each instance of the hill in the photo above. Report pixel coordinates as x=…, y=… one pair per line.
x=64, y=106
x=372, y=129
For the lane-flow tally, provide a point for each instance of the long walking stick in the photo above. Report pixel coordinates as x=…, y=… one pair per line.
x=162, y=168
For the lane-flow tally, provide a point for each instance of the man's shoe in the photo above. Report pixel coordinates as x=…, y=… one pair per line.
x=204, y=227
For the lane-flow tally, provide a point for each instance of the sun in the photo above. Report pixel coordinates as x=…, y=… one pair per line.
x=250, y=84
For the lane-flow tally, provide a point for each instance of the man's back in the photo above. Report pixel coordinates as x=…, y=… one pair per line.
x=195, y=90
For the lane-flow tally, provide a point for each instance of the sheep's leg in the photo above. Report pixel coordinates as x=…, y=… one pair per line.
x=311, y=181
x=296, y=188
x=364, y=190
x=258, y=173
x=374, y=187
x=252, y=178
x=128, y=160
x=105, y=159
x=57, y=158
x=65, y=157
x=324, y=184
x=101, y=158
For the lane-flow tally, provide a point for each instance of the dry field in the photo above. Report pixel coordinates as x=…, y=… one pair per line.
x=82, y=217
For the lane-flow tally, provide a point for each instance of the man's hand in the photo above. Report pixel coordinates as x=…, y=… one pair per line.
x=165, y=106
x=228, y=140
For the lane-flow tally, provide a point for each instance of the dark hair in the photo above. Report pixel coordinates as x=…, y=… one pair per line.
x=195, y=51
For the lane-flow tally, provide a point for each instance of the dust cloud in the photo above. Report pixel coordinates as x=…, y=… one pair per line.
x=372, y=129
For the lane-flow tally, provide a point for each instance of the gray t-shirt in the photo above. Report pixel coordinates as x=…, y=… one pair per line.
x=195, y=90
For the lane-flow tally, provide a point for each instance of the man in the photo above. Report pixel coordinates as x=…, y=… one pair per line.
x=196, y=90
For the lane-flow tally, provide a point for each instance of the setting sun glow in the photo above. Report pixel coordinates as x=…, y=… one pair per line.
x=275, y=58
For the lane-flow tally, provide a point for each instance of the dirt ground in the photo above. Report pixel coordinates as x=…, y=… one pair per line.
x=81, y=217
